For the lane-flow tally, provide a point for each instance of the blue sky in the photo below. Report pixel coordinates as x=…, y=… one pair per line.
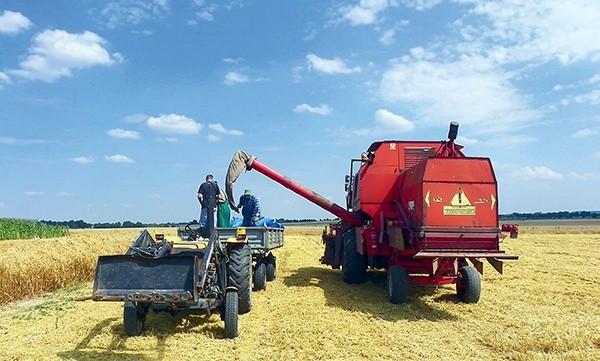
x=116, y=110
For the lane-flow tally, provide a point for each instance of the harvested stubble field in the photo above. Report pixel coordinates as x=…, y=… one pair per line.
x=545, y=307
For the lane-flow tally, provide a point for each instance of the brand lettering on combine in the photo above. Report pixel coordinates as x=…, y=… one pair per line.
x=459, y=206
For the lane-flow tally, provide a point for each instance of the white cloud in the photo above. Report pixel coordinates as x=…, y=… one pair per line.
x=322, y=109
x=123, y=134
x=539, y=173
x=55, y=53
x=136, y=118
x=591, y=98
x=213, y=138
x=466, y=141
x=330, y=66
x=233, y=77
x=470, y=90
x=4, y=79
x=168, y=140
x=205, y=15
x=64, y=194
x=33, y=193
x=143, y=32
x=586, y=132
x=174, y=123
x=232, y=61
x=387, y=38
x=16, y=141
x=538, y=30
x=385, y=124
x=120, y=12
x=119, y=158
x=421, y=5
x=13, y=22
x=83, y=160
x=584, y=176
x=391, y=122
x=217, y=127
x=366, y=12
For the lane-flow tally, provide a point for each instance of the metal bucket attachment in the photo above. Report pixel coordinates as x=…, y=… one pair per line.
x=133, y=278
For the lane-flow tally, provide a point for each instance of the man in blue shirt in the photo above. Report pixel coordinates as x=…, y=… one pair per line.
x=250, y=209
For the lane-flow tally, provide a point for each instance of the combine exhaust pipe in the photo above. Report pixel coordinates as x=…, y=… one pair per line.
x=243, y=161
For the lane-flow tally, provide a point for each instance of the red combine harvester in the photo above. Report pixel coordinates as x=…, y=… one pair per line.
x=420, y=210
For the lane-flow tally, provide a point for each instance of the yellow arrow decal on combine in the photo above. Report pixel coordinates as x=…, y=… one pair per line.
x=427, y=199
x=493, y=200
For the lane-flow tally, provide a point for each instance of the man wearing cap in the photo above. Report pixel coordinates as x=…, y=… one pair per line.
x=250, y=208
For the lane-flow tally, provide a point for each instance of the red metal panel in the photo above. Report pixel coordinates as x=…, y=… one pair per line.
x=377, y=187
x=451, y=192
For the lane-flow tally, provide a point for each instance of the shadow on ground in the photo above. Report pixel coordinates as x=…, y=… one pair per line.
x=159, y=326
x=370, y=297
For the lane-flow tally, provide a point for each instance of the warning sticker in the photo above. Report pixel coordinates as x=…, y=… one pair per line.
x=459, y=206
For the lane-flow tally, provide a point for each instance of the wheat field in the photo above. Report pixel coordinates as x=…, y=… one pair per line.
x=544, y=307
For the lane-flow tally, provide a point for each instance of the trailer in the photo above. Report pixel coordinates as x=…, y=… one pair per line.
x=421, y=210
x=262, y=241
x=195, y=275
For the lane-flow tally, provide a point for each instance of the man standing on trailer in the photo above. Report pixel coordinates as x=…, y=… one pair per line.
x=250, y=209
x=207, y=196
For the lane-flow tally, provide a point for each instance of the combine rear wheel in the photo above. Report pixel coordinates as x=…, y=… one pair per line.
x=134, y=319
x=354, y=266
x=260, y=277
x=231, y=314
x=271, y=267
x=468, y=285
x=397, y=285
x=239, y=274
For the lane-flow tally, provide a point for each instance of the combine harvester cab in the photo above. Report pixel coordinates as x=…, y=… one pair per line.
x=420, y=210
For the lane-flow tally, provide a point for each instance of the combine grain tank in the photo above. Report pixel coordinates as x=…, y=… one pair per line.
x=421, y=210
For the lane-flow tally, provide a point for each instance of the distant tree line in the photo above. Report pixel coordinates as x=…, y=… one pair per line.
x=304, y=220
x=553, y=215
x=81, y=224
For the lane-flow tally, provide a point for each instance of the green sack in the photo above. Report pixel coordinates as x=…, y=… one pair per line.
x=223, y=214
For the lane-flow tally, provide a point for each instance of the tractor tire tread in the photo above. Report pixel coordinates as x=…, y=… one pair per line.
x=239, y=275
x=354, y=266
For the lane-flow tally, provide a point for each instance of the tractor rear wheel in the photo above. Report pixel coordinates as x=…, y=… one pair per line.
x=468, y=285
x=397, y=285
x=354, y=266
x=271, y=267
x=231, y=314
x=239, y=274
x=260, y=277
x=134, y=319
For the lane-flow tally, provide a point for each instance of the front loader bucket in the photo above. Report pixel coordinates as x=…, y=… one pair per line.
x=138, y=279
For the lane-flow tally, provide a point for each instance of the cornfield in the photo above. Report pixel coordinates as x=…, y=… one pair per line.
x=11, y=228
x=544, y=307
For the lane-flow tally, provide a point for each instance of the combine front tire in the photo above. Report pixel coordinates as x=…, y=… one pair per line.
x=260, y=277
x=239, y=274
x=354, y=267
x=231, y=314
x=468, y=285
x=134, y=319
x=397, y=285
